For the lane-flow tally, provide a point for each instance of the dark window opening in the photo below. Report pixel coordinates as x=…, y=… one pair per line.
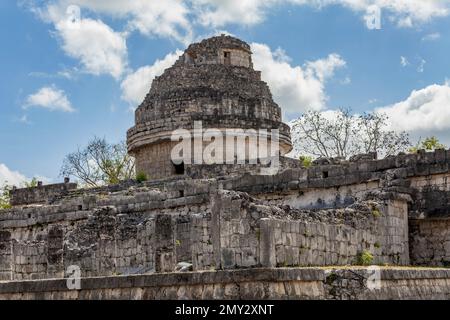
x=325, y=174
x=179, y=168
x=227, y=57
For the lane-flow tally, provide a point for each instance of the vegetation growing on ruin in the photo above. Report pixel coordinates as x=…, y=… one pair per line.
x=428, y=144
x=99, y=163
x=306, y=161
x=344, y=134
x=4, y=197
x=365, y=258
x=141, y=177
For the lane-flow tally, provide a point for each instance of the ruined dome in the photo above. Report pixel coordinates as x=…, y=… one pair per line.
x=213, y=82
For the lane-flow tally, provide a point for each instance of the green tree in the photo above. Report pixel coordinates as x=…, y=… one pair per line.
x=429, y=144
x=99, y=163
x=344, y=134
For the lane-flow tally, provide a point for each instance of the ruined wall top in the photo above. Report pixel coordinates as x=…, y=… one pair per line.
x=41, y=194
x=393, y=172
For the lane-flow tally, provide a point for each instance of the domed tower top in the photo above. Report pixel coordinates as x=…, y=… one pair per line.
x=224, y=50
x=213, y=82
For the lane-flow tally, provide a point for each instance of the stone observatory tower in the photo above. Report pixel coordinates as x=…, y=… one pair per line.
x=213, y=83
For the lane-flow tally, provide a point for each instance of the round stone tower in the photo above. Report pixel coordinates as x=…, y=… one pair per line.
x=212, y=83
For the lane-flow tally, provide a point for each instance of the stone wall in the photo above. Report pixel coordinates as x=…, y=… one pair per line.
x=156, y=162
x=302, y=243
x=235, y=57
x=280, y=283
x=430, y=242
x=40, y=194
x=288, y=219
x=141, y=230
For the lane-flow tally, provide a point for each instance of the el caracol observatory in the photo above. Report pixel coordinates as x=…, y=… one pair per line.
x=214, y=83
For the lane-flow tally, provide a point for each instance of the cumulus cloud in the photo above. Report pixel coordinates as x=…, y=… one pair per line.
x=50, y=98
x=424, y=110
x=136, y=85
x=175, y=18
x=406, y=13
x=218, y=13
x=168, y=18
x=295, y=88
x=10, y=177
x=102, y=50
x=98, y=48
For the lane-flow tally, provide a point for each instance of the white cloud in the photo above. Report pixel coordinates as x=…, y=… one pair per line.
x=323, y=69
x=168, y=18
x=432, y=37
x=99, y=49
x=102, y=50
x=425, y=109
x=218, y=13
x=136, y=85
x=295, y=88
x=10, y=177
x=50, y=98
x=404, y=61
x=175, y=18
x=406, y=13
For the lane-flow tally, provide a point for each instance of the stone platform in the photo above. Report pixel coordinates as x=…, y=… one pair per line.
x=262, y=283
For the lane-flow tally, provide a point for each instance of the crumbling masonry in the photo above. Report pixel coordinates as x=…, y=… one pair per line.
x=242, y=234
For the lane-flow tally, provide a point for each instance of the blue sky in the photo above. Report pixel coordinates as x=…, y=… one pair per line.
x=60, y=86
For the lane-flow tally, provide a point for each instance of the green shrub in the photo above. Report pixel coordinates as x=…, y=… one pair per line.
x=141, y=177
x=365, y=258
x=376, y=213
x=306, y=161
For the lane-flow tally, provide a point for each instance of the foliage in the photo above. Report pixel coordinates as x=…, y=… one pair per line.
x=429, y=144
x=365, y=258
x=141, y=177
x=306, y=161
x=31, y=184
x=376, y=213
x=99, y=163
x=5, y=192
x=343, y=134
x=4, y=197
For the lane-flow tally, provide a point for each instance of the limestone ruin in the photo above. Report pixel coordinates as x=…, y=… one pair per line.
x=239, y=233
